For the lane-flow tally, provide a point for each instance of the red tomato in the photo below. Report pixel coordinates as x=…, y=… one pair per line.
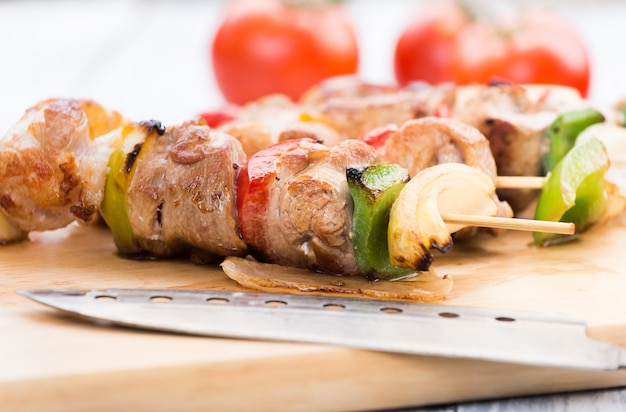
x=266, y=47
x=425, y=50
x=538, y=47
x=534, y=47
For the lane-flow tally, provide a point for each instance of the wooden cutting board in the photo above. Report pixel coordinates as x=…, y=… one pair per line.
x=52, y=362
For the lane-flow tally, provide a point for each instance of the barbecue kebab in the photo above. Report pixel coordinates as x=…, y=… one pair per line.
x=205, y=192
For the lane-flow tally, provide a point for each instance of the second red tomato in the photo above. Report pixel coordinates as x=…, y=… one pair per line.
x=536, y=47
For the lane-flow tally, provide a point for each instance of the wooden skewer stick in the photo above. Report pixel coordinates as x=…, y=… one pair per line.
x=528, y=225
x=520, y=182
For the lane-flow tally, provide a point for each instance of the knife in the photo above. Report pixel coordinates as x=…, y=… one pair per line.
x=551, y=340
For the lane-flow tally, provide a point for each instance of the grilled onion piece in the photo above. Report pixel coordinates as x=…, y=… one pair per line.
x=266, y=277
x=415, y=222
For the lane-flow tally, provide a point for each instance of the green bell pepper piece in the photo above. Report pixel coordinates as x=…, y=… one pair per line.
x=374, y=189
x=563, y=132
x=575, y=191
x=114, y=209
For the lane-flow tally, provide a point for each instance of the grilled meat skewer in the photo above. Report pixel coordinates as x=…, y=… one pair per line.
x=188, y=188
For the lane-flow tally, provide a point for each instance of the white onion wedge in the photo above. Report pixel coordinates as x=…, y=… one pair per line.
x=415, y=222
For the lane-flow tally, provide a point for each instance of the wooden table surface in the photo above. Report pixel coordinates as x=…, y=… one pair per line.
x=53, y=362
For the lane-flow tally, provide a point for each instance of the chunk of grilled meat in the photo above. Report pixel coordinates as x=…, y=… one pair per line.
x=347, y=86
x=182, y=194
x=509, y=119
x=274, y=119
x=353, y=107
x=297, y=209
x=53, y=163
x=429, y=141
x=200, y=207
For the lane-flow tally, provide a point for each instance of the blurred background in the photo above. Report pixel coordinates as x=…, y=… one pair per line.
x=150, y=59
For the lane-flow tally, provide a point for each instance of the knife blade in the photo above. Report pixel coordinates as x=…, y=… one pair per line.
x=541, y=339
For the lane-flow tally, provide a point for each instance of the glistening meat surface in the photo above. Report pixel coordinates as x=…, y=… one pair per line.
x=182, y=193
x=298, y=209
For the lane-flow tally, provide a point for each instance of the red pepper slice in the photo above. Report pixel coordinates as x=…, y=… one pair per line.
x=254, y=183
x=378, y=136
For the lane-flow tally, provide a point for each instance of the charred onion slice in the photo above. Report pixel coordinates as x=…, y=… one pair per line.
x=266, y=277
x=415, y=222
